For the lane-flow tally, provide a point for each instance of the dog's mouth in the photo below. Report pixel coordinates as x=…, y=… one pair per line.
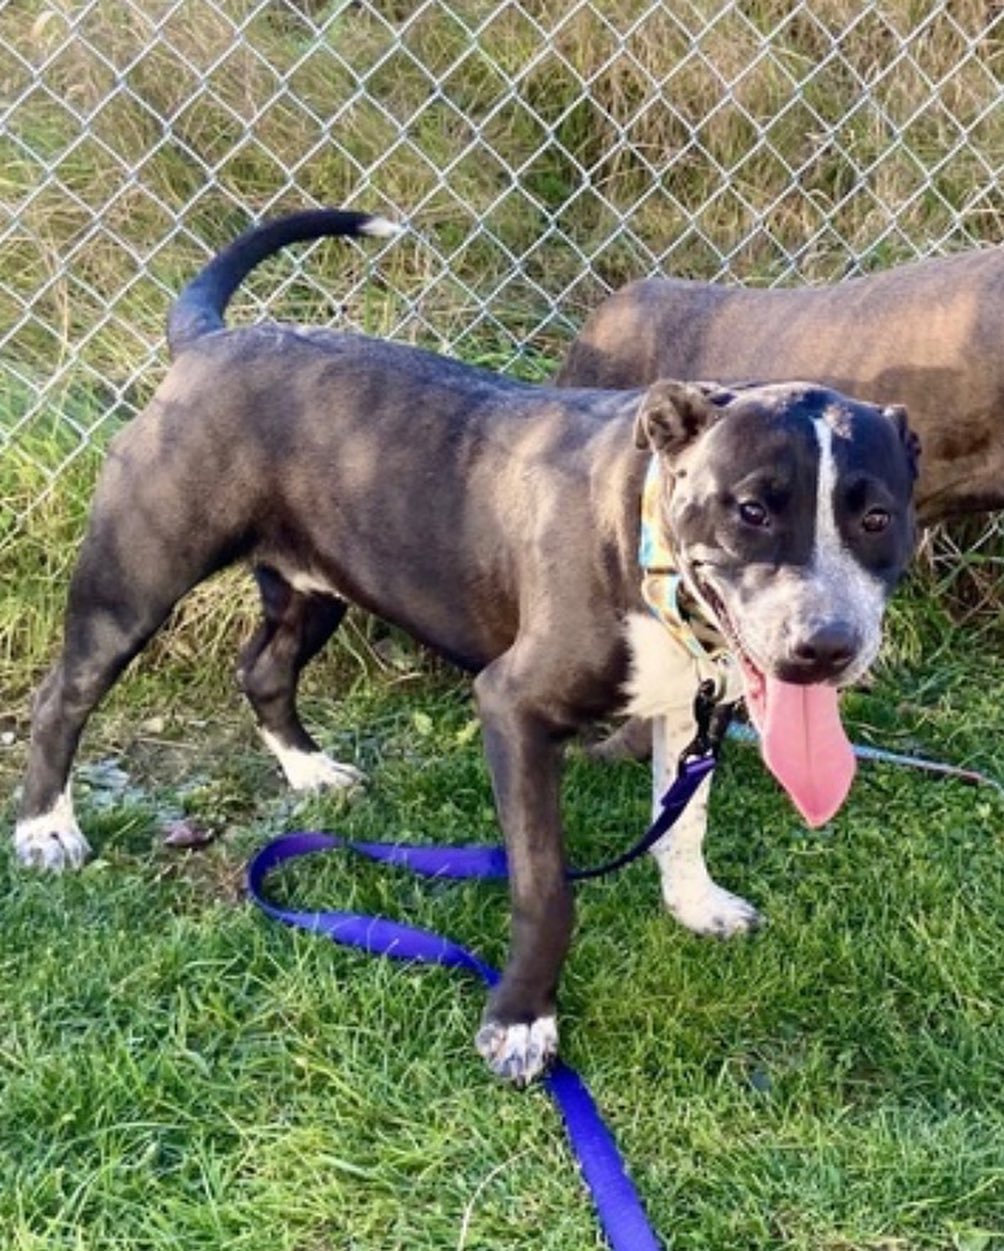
x=802, y=738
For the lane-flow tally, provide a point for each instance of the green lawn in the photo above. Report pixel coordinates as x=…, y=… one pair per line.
x=179, y=1072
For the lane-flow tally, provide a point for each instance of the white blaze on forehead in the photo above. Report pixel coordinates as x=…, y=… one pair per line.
x=846, y=586
x=827, y=532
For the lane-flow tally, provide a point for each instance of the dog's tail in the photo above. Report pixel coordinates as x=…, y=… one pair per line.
x=199, y=308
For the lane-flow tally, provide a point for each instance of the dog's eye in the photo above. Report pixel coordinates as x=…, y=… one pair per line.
x=875, y=520
x=753, y=514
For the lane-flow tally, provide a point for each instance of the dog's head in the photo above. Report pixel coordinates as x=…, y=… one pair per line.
x=788, y=508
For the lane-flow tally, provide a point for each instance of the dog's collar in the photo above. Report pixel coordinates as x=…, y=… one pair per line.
x=662, y=586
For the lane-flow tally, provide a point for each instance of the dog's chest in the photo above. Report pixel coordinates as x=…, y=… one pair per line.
x=663, y=674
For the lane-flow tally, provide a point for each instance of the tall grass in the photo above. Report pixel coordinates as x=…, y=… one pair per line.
x=542, y=152
x=835, y=134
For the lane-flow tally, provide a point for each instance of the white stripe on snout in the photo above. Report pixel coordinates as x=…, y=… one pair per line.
x=828, y=542
x=841, y=583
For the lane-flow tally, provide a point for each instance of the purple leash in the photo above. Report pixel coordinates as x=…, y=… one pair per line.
x=617, y=1203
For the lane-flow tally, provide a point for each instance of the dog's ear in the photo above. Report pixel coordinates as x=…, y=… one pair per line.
x=671, y=415
x=910, y=441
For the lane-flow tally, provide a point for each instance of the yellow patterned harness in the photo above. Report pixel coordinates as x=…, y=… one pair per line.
x=664, y=592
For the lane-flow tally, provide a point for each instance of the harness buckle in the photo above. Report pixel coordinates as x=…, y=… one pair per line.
x=712, y=715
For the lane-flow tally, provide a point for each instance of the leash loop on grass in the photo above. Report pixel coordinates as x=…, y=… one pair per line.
x=617, y=1203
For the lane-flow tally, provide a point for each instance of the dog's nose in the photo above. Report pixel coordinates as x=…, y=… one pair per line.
x=824, y=650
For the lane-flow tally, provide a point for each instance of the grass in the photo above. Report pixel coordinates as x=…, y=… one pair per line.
x=179, y=1072
x=566, y=149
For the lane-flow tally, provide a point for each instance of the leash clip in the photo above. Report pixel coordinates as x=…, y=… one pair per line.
x=712, y=715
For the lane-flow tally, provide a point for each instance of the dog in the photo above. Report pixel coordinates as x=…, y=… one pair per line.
x=498, y=523
x=925, y=335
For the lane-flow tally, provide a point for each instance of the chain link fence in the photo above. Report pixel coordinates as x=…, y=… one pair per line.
x=544, y=151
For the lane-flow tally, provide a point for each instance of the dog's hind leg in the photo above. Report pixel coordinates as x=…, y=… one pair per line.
x=296, y=626
x=691, y=894
x=127, y=579
x=46, y=834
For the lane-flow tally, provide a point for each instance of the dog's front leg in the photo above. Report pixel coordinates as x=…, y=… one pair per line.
x=519, y=1033
x=691, y=894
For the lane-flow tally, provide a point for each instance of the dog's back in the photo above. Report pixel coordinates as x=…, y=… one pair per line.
x=926, y=335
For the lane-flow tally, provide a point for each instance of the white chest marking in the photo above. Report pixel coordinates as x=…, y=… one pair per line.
x=663, y=676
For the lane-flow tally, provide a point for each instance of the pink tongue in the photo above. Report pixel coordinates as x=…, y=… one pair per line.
x=805, y=747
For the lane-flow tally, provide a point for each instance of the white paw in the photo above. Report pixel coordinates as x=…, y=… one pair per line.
x=712, y=910
x=52, y=840
x=312, y=770
x=518, y=1052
